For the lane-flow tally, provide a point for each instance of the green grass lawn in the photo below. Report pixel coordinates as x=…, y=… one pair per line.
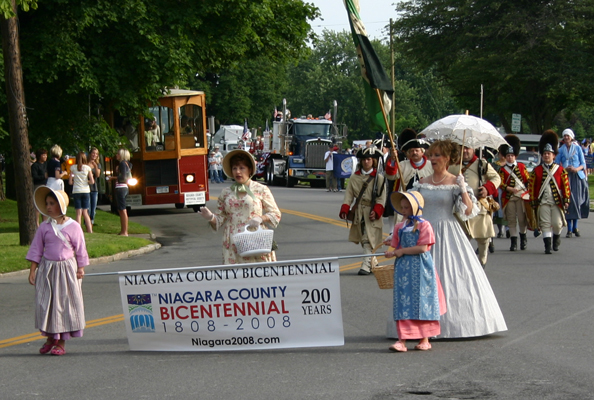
x=102, y=242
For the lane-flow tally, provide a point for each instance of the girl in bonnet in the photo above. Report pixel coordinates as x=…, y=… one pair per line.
x=418, y=297
x=58, y=256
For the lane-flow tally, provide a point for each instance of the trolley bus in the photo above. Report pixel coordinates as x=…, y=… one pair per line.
x=169, y=156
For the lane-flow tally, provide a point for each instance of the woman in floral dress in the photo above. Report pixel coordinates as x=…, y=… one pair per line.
x=245, y=203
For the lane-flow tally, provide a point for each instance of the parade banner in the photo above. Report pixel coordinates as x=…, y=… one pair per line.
x=239, y=307
x=343, y=165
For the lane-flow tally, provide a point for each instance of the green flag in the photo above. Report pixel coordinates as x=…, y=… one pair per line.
x=374, y=75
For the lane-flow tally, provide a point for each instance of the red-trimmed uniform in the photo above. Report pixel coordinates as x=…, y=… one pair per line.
x=363, y=230
x=513, y=203
x=549, y=202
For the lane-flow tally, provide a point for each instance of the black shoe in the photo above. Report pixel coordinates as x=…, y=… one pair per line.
x=523, y=241
x=514, y=243
x=577, y=233
x=568, y=235
x=547, y=243
x=491, y=247
x=537, y=232
x=556, y=242
x=363, y=272
x=499, y=235
x=507, y=235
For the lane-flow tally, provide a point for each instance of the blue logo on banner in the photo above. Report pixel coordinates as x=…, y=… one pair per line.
x=141, y=313
x=343, y=165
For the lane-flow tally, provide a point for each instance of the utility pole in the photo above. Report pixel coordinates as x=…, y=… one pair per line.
x=17, y=119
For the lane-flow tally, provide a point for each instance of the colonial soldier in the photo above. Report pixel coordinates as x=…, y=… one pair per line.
x=415, y=167
x=385, y=145
x=549, y=192
x=514, y=183
x=367, y=190
x=484, y=181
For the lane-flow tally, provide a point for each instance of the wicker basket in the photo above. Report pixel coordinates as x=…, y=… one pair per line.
x=384, y=272
x=252, y=244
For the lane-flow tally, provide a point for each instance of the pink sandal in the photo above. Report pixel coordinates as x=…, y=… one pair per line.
x=58, y=350
x=423, y=346
x=398, y=346
x=47, y=347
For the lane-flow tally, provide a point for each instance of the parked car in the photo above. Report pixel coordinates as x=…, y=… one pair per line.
x=529, y=158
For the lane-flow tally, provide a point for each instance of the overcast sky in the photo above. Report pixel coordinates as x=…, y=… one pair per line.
x=375, y=14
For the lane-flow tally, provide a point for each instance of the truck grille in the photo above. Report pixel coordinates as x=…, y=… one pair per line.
x=314, y=154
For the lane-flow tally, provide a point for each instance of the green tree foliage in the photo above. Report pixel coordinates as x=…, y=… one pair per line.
x=248, y=89
x=84, y=58
x=332, y=72
x=533, y=57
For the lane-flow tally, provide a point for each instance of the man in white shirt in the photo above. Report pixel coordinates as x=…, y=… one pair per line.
x=330, y=179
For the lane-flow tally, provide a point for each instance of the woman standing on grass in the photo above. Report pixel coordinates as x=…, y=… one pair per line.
x=81, y=177
x=96, y=169
x=124, y=173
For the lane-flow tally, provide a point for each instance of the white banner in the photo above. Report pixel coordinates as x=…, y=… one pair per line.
x=240, y=307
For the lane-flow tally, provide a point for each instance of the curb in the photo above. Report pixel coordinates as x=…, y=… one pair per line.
x=101, y=260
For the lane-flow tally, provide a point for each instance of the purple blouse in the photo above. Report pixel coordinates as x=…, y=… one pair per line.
x=47, y=244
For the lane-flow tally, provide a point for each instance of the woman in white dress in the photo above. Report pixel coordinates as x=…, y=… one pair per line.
x=472, y=307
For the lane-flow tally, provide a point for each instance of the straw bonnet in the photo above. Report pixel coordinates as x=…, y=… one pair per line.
x=41, y=193
x=415, y=198
x=227, y=162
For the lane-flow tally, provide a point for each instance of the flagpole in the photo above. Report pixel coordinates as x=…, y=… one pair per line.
x=381, y=102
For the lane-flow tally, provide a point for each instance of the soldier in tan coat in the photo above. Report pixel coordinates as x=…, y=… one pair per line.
x=367, y=224
x=484, y=181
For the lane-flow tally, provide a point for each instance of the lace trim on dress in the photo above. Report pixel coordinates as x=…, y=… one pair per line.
x=459, y=206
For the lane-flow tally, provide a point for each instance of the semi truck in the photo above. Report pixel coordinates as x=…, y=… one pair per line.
x=298, y=146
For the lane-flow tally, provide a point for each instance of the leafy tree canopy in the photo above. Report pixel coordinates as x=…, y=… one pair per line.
x=533, y=57
x=82, y=58
x=332, y=72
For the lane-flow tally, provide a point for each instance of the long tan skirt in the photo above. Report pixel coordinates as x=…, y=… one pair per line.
x=59, y=307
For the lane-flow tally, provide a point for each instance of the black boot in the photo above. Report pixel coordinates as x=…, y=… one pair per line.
x=491, y=247
x=514, y=243
x=523, y=241
x=547, y=242
x=556, y=242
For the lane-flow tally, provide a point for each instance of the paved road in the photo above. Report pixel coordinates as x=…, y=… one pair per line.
x=546, y=354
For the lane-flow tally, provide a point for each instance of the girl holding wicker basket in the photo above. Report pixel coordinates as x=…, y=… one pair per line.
x=418, y=296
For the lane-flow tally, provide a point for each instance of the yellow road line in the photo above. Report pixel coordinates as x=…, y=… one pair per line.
x=31, y=337
x=120, y=317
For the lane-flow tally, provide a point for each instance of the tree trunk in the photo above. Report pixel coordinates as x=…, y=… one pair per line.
x=17, y=119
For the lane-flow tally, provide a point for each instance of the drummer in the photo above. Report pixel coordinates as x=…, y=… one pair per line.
x=514, y=184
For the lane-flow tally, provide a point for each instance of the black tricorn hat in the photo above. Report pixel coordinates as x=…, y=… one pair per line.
x=513, y=145
x=384, y=142
x=549, y=141
x=372, y=152
x=408, y=140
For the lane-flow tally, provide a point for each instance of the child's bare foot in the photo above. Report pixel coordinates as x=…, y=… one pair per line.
x=399, y=346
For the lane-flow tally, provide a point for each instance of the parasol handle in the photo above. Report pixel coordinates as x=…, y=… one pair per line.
x=463, y=142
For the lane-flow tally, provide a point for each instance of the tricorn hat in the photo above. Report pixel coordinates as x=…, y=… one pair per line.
x=549, y=141
x=408, y=140
x=369, y=152
x=382, y=142
x=41, y=193
x=415, y=198
x=512, y=147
